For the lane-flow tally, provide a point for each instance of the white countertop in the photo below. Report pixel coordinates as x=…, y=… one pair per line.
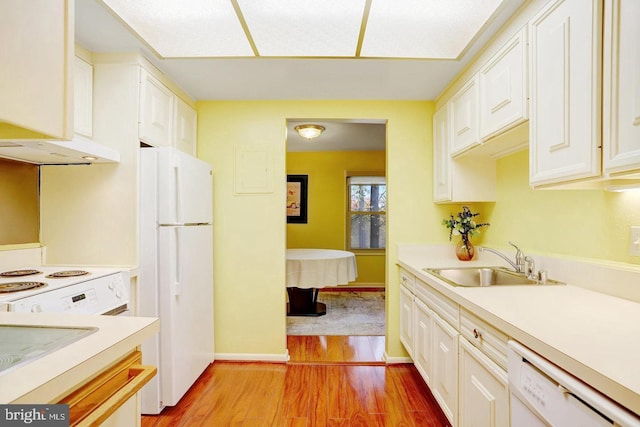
x=52, y=376
x=594, y=336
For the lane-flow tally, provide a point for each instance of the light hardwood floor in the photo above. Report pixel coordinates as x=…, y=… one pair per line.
x=328, y=382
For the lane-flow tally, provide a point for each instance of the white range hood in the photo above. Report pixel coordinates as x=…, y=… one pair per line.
x=51, y=152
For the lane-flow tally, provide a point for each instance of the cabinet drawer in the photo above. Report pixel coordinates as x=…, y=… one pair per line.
x=95, y=401
x=447, y=309
x=485, y=337
x=407, y=279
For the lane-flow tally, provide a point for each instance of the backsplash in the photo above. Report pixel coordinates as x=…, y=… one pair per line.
x=23, y=257
x=19, y=209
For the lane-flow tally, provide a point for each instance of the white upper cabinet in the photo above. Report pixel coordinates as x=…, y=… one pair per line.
x=37, y=66
x=621, y=124
x=503, y=88
x=441, y=161
x=185, y=128
x=157, y=105
x=83, y=98
x=165, y=119
x=461, y=179
x=564, y=128
x=463, y=118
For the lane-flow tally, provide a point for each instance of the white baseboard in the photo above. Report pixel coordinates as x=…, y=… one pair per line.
x=396, y=360
x=253, y=357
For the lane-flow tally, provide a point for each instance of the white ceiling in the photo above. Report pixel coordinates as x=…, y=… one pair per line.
x=98, y=29
x=204, y=78
x=339, y=135
x=307, y=28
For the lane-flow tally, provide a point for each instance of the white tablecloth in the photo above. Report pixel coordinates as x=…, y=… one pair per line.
x=317, y=268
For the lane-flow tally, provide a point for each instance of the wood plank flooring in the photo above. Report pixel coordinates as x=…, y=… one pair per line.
x=363, y=350
x=322, y=388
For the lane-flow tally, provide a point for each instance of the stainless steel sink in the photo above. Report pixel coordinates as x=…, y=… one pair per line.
x=484, y=276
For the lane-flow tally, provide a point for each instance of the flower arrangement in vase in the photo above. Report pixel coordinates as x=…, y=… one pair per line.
x=464, y=225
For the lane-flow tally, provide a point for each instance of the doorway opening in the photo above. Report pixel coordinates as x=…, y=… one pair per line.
x=345, y=210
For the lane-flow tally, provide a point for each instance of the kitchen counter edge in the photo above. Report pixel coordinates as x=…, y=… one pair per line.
x=628, y=397
x=53, y=376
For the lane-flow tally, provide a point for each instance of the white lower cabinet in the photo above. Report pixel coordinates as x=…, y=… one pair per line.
x=406, y=319
x=483, y=389
x=461, y=357
x=444, y=384
x=423, y=339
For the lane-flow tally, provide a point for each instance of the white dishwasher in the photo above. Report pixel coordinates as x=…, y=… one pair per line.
x=544, y=395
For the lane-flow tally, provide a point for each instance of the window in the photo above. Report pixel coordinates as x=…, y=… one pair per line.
x=366, y=215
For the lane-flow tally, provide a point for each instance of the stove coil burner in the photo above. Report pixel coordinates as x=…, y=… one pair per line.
x=19, y=273
x=20, y=286
x=67, y=273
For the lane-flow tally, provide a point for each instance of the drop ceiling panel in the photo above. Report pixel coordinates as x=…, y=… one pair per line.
x=305, y=28
x=185, y=28
x=424, y=29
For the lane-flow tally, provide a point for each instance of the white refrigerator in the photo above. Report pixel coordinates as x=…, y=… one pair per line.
x=176, y=271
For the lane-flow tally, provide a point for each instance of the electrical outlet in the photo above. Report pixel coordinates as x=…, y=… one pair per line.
x=634, y=248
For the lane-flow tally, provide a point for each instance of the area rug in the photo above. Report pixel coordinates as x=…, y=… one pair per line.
x=348, y=313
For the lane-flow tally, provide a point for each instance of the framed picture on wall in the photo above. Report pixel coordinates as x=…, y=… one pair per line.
x=297, y=199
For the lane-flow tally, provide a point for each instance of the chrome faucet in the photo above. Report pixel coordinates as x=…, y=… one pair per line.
x=530, y=268
x=518, y=265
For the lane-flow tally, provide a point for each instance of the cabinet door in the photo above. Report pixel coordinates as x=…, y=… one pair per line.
x=621, y=115
x=503, y=91
x=156, y=112
x=441, y=161
x=36, y=76
x=185, y=128
x=463, y=179
x=406, y=319
x=484, y=391
x=423, y=348
x=444, y=370
x=463, y=118
x=564, y=129
x=83, y=97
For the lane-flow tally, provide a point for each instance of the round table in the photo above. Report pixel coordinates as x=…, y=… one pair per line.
x=309, y=270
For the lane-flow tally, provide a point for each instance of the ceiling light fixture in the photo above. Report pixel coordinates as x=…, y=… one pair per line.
x=309, y=131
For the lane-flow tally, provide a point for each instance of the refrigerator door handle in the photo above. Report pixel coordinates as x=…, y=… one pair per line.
x=177, y=282
x=178, y=189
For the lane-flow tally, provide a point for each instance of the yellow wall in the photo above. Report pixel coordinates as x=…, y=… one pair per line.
x=327, y=197
x=90, y=213
x=250, y=230
x=18, y=203
x=578, y=223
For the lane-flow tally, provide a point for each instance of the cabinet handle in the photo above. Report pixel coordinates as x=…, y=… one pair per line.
x=477, y=334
